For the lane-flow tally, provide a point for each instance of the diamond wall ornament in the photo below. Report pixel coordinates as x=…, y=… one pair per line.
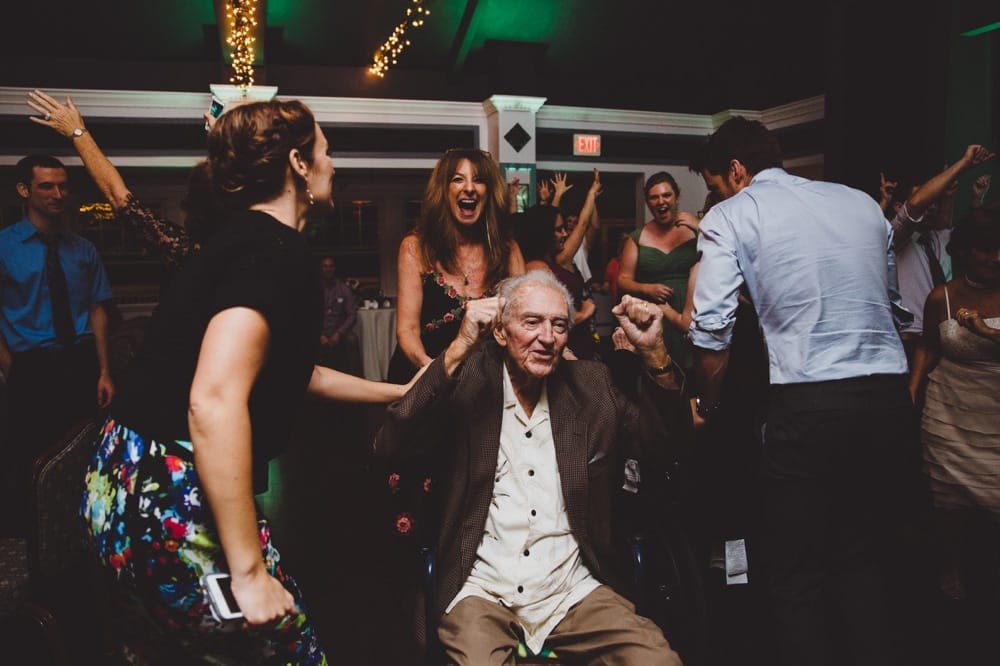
x=517, y=137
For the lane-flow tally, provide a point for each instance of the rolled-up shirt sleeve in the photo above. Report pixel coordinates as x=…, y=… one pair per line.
x=716, y=292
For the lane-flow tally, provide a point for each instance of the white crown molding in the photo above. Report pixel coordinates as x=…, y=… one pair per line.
x=795, y=113
x=113, y=103
x=646, y=122
x=393, y=111
x=176, y=161
x=786, y=115
x=169, y=105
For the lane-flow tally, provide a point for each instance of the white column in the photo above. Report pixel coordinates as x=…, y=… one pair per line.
x=512, y=136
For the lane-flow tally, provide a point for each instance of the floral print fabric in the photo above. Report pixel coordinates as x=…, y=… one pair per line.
x=148, y=522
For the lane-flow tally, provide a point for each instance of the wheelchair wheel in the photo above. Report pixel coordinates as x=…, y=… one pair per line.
x=674, y=592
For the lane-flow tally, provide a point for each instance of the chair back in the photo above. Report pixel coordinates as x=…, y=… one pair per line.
x=55, y=542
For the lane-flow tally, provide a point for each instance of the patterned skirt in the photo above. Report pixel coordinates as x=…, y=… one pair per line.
x=148, y=523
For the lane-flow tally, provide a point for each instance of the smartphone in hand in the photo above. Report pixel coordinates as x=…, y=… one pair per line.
x=219, y=591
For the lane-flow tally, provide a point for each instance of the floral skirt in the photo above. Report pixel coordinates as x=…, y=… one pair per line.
x=147, y=520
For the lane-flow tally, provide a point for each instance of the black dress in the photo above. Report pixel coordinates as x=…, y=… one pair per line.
x=440, y=317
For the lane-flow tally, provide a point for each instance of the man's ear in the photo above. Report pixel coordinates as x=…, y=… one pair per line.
x=23, y=190
x=500, y=335
x=739, y=172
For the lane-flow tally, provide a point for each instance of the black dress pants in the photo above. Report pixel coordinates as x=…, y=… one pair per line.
x=840, y=468
x=47, y=391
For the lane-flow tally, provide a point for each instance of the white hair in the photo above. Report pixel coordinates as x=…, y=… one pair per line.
x=510, y=290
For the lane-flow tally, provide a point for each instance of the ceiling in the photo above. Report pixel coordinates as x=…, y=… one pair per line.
x=662, y=55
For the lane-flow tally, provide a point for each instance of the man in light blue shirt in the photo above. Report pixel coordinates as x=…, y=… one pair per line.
x=817, y=262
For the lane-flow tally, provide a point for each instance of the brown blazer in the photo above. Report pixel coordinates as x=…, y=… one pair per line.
x=594, y=429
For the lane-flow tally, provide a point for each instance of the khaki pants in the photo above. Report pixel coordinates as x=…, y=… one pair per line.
x=602, y=629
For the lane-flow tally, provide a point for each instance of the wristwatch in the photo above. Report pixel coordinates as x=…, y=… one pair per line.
x=662, y=370
x=78, y=132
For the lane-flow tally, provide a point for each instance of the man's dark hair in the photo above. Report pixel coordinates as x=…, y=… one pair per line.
x=748, y=141
x=24, y=171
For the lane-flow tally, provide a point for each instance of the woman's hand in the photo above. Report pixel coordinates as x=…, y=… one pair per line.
x=261, y=597
x=979, y=188
x=595, y=187
x=971, y=320
x=544, y=192
x=886, y=189
x=686, y=219
x=620, y=340
x=658, y=293
x=561, y=187
x=63, y=118
x=513, y=188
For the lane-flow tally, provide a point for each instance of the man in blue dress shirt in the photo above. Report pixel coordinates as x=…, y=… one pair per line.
x=839, y=447
x=53, y=327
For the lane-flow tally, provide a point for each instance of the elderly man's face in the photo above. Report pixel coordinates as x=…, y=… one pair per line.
x=536, y=332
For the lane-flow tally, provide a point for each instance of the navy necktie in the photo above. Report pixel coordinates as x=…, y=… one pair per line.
x=62, y=315
x=937, y=273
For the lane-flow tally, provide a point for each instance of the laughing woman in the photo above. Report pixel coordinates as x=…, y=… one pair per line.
x=660, y=260
x=227, y=359
x=459, y=251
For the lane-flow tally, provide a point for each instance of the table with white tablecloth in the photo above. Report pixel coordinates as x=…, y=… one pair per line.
x=376, y=331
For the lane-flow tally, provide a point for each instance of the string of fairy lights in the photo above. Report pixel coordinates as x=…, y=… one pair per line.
x=388, y=54
x=242, y=17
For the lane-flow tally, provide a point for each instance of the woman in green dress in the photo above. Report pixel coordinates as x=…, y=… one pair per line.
x=659, y=262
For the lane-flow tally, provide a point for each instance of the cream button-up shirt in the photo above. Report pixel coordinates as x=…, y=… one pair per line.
x=528, y=560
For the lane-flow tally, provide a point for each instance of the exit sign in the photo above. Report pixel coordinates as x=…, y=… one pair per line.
x=587, y=144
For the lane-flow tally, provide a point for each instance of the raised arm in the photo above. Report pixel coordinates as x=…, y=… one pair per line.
x=422, y=407
x=589, y=217
x=579, y=233
x=924, y=195
x=886, y=189
x=410, y=294
x=172, y=240
x=561, y=187
x=65, y=119
x=513, y=188
x=918, y=202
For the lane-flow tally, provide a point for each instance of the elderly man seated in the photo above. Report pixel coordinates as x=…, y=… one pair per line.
x=537, y=449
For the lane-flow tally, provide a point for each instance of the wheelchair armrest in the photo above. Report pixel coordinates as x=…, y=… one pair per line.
x=638, y=552
x=428, y=562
